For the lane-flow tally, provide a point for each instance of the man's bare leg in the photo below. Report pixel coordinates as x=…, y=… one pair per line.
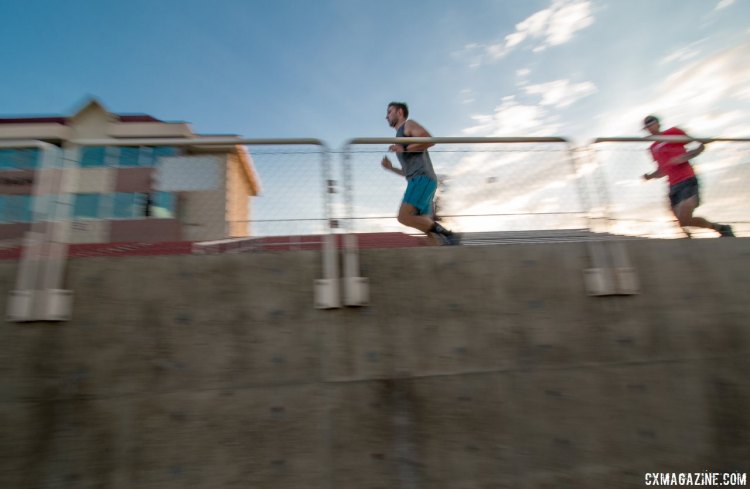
x=408, y=216
x=684, y=213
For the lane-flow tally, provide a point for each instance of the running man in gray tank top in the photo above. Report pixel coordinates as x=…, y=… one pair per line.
x=416, y=209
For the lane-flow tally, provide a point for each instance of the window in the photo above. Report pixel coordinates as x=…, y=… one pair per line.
x=7, y=159
x=146, y=156
x=19, y=159
x=160, y=151
x=129, y=156
x=93, y=156
x=162, y=205
x=129, y=205
x=20, y=208
x=30, y=158
x=16, y=208
x=135, y=205
x=86, y=206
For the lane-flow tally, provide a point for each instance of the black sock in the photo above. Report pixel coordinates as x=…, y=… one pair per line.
x=437, y=228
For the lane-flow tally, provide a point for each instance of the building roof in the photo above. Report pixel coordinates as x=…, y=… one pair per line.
x=89, y=103
x=67, y=120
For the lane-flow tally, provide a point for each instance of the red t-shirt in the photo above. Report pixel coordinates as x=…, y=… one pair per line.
x=663, y=151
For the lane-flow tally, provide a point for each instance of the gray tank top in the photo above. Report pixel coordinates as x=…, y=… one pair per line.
x=415, y=164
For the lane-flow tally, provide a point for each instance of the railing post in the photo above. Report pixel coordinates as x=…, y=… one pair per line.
x=356, y=287
x=328, y=289
x=38, y=295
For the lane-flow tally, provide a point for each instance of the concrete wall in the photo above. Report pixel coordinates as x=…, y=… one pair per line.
x=474, y=367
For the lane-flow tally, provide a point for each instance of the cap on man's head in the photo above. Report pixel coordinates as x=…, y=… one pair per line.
x=650, y=119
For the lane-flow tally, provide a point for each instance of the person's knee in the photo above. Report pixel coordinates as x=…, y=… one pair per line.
x=405, y=214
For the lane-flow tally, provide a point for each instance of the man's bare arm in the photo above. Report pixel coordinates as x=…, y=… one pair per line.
x=386, y=163
x=414, y=130
x=677, y=160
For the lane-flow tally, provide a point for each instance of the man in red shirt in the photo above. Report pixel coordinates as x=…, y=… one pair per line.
x=673, y=161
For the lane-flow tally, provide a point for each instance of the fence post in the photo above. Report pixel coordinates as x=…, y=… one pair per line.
x=38, y=295
x=356, y=287
x=328, y=289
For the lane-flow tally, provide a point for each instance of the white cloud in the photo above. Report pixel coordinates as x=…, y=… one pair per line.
x=497, y=51
x=568, y=18
x=523, y=72
x=555, y=25
x=512, y=40
x=533, y=26
x=723, y=4
x=561, y=93
x=511, y=118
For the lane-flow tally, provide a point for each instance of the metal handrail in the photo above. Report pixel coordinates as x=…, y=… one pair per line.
x=207, y=141
x=673, y=139
x=454, y=140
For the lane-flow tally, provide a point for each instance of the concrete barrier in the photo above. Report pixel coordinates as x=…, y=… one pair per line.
x=473, y=367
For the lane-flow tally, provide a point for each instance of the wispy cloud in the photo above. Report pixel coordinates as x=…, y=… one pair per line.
x=512, y=118
x=523, y=77
x=561, y=93
x=552, y=26
x=467, y=96
x=723, y=4
x=743, y=94
x=684, y=53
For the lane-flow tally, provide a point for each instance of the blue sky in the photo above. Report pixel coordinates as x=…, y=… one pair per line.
x=327, y=69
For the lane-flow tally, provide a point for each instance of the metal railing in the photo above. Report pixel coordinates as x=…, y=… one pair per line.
x=59, y=177
x=511, y=186
x=38, y=294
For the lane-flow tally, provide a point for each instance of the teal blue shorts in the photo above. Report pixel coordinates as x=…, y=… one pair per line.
x=420, y=192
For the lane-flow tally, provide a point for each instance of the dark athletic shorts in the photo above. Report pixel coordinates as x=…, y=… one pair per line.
x=684, y=190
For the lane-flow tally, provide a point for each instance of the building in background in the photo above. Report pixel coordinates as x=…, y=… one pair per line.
x=139, y=193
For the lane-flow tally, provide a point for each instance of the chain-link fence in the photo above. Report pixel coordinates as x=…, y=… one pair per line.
x=284, y=193
x=296, y=191
x=485, y=184
x=623, y=203
x=204, y=190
